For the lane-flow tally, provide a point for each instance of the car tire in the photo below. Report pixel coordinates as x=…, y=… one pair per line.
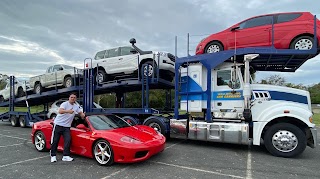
x=14, y=121
x=213, y=47
x=100, y=76
x=40, y=142
x=22, y=121
x=156, y=125
x=68, y=82
x=38, y=88
x=302, y=43
x=150, y=66
x=99, y=155
x=131, y=120
x=20, y=92
x=293, y=136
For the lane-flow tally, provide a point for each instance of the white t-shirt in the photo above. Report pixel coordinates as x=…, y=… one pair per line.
x=66, y=119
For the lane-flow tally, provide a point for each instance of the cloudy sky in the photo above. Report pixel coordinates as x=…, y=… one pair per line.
x=35, y=34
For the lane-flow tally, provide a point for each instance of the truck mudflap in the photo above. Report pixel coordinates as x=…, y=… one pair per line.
x=312, y=138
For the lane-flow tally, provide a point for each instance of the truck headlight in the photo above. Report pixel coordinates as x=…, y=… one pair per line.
x=163, y=54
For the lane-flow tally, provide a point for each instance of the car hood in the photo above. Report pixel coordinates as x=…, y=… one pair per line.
x=143, y=133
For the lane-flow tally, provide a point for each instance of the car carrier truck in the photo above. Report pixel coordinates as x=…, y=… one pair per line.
x=234, y=110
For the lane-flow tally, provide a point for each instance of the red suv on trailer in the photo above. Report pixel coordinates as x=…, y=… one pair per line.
x=291, y=30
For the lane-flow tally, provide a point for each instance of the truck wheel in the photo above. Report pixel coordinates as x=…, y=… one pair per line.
x=1, y=99
x=131, y=120
x=22, y=121
x=148, y=69
x=14, y=121
x=68, y=82
x=38, y=88
x=20, y=92
x=40, y=142
x=285, y=140
x=156, y=125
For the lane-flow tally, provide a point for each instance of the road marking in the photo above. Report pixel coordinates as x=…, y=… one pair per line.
x=174, y=144
x=13, y=145
x=196, y=169
x=1, y=166
x=13, y=137
x=249, y=171
x=114, y=173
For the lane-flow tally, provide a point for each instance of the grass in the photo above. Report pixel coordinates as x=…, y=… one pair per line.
x=33, y=109
x=316, y=119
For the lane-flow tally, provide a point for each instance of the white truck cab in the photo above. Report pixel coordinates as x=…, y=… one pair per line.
x=126, y=61
x=20, y=89
x=243, y=112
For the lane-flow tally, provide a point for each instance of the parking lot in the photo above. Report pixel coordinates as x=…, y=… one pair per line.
x=180, y=159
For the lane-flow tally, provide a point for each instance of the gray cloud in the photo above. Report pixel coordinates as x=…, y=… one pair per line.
x=36, y=34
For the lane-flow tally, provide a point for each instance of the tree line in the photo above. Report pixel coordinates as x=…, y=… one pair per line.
x=157, y=98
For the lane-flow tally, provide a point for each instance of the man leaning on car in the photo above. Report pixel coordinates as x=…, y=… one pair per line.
x=62, y=124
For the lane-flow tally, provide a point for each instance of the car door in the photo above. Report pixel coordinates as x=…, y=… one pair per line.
x=128, y=61
x=111, y=61
x=227, y=102
x=58, y=74
x=255, y=32
x=80, y=142
x=49, y=77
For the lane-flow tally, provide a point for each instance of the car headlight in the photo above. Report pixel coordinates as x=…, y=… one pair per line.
x=131, y=140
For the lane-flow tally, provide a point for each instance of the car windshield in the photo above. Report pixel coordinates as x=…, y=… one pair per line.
x=107, y=122
x=67, y=67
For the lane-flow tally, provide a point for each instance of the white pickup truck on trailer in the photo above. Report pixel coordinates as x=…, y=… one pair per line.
x=243, y=112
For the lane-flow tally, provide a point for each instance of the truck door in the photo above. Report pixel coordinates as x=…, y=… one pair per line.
x=227, y=102
x=128, y=61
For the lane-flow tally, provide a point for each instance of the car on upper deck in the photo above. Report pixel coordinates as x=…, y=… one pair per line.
x=126, y=61
x=291, y=30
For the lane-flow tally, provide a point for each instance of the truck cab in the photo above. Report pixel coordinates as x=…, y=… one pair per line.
x=243, y=112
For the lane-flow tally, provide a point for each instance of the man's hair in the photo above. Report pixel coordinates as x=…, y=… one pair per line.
x=73, y=93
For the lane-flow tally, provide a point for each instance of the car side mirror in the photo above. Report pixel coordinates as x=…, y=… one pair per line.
x=82, y=126
x=235, y=28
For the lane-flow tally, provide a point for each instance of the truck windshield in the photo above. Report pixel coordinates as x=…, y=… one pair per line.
x=107, y=122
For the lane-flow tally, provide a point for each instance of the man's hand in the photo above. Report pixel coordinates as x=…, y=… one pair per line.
x=70, y=111
x=83, y=115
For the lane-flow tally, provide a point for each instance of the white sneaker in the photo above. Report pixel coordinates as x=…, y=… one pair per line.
x=67, y=158
x=53, y=158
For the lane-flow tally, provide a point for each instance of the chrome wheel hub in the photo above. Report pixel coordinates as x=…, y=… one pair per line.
x=99, y=78
x=284, y=141
x=68, y=83
x=102, y=152
x=155, y=126
x=39, y=141
x=303, y=44
x=148, y=70
x=213, y=49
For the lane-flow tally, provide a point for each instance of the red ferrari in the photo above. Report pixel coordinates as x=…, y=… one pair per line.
x=107, y=138
x=292, y=30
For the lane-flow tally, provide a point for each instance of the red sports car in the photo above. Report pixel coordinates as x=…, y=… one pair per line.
x=107, y=138
x=292, y=30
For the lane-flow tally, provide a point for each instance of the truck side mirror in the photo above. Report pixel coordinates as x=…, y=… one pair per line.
x=133, y=51
x=60, y=69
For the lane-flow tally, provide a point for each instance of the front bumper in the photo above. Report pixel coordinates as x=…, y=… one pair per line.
x=313, y=143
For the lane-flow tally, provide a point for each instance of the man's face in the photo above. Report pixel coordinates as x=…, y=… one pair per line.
x=72, y=98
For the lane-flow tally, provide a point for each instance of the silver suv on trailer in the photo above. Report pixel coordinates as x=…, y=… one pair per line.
x=126, y=61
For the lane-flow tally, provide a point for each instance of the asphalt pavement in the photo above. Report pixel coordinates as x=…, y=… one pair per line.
x=180, y=159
